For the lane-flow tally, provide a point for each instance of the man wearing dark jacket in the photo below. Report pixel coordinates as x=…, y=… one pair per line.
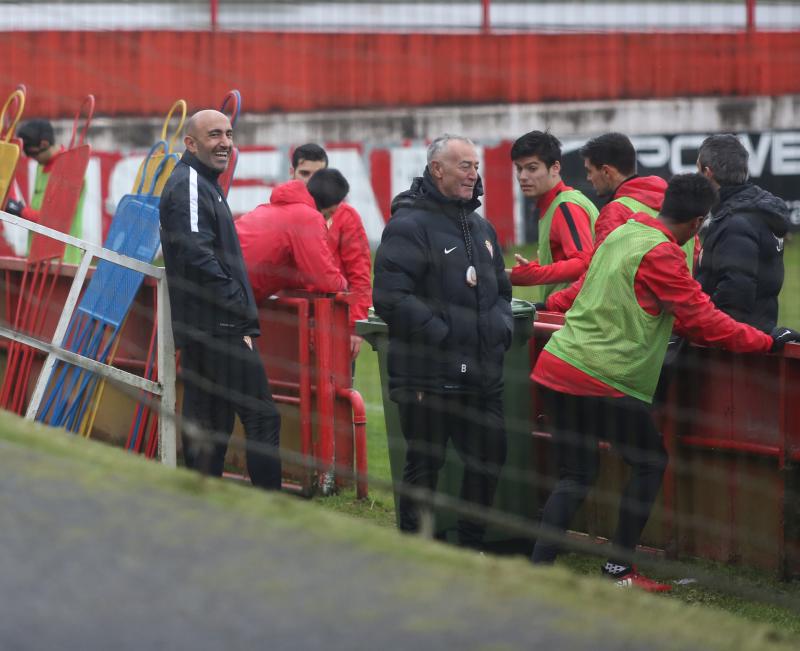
x=741, y=267
x=214, y=314
x=441, y=287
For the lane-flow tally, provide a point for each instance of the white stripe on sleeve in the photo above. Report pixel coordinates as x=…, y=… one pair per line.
x=193, y=200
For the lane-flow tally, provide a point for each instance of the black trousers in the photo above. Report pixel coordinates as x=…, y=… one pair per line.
x=578, y=423
x=223, y=377
x=476, y=426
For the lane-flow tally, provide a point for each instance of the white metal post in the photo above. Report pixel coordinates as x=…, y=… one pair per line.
x=167, y=443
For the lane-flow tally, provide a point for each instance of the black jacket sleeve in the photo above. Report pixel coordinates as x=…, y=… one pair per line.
x=504, y=289
x=400, y=266
x=192, y=233
x=735, y=266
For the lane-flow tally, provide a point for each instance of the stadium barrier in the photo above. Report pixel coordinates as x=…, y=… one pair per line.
x=732, y=428
x=327, y=70
x=305, y=347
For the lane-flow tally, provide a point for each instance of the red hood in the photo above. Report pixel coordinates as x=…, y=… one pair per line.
x=291, y=192
x=647, y=189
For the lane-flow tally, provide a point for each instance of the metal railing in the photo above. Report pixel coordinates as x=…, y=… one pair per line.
x=164, y=387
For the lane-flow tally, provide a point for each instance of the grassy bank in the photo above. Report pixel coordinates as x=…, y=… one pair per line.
x=446, y=586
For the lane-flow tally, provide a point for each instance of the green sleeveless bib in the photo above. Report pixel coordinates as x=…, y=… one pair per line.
x=638, y=206
x=545, y=252
x=607, y=334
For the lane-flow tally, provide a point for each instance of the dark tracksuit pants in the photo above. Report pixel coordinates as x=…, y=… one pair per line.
x=577, y=424
x=475, y=425
x=223, y=377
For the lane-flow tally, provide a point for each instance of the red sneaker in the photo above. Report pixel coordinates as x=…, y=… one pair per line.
x=635, y=580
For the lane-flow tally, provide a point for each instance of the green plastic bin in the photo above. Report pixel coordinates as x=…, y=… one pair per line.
x=516, y=493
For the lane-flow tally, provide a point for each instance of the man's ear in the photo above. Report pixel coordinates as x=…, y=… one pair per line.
x=555, y=168
x=189, y=142
x=436, y=169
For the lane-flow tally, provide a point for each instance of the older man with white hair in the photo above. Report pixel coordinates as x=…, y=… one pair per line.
x=441, y=287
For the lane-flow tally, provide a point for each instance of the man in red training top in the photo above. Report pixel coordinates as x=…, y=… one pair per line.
x=284, y=242
x=610, y=163
x=599, y=372
x=347, y=240
x=566, y=216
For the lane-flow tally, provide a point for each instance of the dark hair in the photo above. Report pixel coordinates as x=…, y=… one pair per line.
x=328, y=187
x=34, y=131
x=542, y=144
x=614, y=149
x=309, y=151
x=688, y=196
x=726, y=157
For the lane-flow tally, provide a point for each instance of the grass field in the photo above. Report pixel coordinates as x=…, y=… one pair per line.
x=443, y=586
x=380, y=506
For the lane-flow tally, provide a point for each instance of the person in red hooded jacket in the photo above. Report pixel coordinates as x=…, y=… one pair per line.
x=284, y=242
x=610, y=163
x=347, y=240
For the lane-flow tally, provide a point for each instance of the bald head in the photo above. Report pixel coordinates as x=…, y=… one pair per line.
x=209, y=136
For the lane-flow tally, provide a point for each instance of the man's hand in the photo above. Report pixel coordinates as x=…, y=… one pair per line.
x=15, y=207
x=520, y=260
x=355, y=345
x=782, y=336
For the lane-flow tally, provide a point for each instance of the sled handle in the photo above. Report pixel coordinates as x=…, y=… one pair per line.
x=179, y=104
x=235, y=98
x=160, y=144
x=15, y=102
x=88, y=102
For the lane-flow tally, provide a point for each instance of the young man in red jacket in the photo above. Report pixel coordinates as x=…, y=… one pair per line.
x=610, y=163
x=599, y=372
x=347, y=240
x=566, y=216
x=284, y=242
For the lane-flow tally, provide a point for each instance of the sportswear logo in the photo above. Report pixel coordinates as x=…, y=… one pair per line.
x=779, y=246
x=219, y=198
x=449, y=251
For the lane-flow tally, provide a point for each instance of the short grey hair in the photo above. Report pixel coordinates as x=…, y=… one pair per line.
x=440, y=144
x=726, y=157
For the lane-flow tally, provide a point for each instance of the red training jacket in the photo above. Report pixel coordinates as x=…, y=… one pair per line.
x=350, y=248
x=284, y=244
x=662, y=282
x=647, y=189
x=570, y=243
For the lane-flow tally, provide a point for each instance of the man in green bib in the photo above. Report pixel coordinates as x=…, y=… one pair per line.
x=566, y=216
x=599, y=372
x=39, y=143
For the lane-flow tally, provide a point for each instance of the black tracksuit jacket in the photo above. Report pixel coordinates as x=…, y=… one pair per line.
x=209, y=291
x=741, y=265
x=444, y=336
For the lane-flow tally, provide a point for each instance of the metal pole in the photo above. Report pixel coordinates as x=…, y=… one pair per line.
x=213, y=11
x=58, y=336
x=486, y=20
x=167, y=443
x=751, y=15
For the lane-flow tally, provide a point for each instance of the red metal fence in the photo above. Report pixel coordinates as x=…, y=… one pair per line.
x=141, y=72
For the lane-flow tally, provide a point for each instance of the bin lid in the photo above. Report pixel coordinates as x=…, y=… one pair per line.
x=374, y=324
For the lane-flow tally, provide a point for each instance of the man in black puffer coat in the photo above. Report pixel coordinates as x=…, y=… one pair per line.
x=441, y=287
x=741, y=266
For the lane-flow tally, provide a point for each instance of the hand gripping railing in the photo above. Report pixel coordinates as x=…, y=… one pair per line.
x=164, y=387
